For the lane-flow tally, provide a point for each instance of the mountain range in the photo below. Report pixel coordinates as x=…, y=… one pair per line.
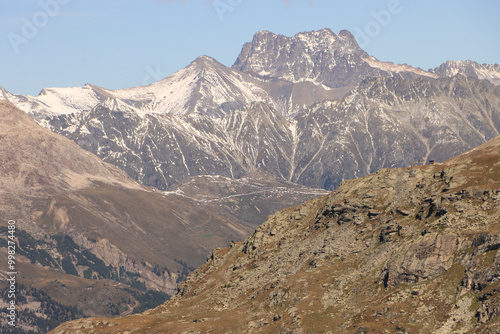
x=154, y=177
x=381, y=123
x=312, y=109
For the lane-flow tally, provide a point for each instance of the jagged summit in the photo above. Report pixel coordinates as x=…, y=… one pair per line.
x=321, y=36
x=289, y=73
x=321, y=57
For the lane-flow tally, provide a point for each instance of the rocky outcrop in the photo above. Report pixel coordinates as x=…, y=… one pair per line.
x=426, y=258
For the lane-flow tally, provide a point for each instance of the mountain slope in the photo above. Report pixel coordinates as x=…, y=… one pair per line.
x=393, y=122
x=55, y=187
x=161, y=150
x=84, y=223
x=412, y=250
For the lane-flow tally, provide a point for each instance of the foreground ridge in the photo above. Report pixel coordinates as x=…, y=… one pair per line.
x=410, y=250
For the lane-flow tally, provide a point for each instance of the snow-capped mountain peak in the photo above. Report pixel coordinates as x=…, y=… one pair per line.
x=204, y=86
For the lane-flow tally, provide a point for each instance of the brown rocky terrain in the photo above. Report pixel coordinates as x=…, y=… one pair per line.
x=409, y=250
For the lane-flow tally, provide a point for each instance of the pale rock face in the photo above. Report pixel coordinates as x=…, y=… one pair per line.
x=429, y=257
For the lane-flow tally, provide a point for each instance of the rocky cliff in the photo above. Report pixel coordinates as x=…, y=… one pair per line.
x=411, y=250
x=322, y=57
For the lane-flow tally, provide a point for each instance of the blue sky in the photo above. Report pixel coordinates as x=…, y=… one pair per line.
x=125, y=43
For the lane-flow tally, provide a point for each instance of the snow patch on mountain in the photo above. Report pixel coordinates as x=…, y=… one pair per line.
x=397, y=68
x=3, y=93
x=60, y=101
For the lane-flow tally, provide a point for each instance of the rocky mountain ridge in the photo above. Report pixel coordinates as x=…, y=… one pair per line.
x=288, y=73
x=202, y=119
x=471, y=69
x=321, y=57
x=410, y=250
x=304, y=90
x=204, y=87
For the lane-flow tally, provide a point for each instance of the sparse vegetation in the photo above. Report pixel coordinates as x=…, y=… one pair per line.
x=148, y=299
x=185, y=271
x=48, y=316
x=68, y=267
x=31, y=248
